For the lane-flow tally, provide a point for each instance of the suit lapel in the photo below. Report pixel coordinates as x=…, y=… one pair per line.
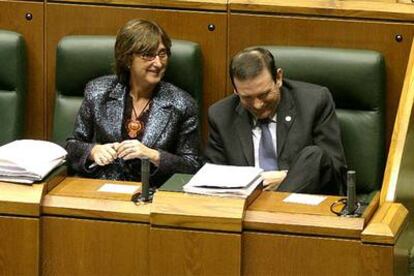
x=159, y=118
x=244, y=133
x=116, y=103
x=286, y=114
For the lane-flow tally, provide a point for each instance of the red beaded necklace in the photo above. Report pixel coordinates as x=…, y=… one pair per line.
x=134, y=125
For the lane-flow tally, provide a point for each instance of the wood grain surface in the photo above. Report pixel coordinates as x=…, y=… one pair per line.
x=187, y=252
x=19, y=246
x=73, y=246
x=386, y=225
x=79, y=197
x=276, y=254
x=184, y=210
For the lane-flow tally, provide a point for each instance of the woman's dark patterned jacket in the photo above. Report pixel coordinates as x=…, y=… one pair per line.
x=172, y=129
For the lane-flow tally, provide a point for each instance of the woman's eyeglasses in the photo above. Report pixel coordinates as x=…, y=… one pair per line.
x=163, y=55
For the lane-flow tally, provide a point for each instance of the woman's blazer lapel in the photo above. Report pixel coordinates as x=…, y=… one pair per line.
x=159, y=117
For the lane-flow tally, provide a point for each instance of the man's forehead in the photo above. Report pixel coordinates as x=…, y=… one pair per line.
x=259, y=84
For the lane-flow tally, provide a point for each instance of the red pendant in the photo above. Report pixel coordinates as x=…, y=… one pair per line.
x=134, y=127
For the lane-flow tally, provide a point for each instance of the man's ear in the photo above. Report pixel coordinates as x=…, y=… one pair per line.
x=279, y=77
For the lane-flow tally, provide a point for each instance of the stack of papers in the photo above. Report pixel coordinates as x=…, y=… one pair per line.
x=222, y=180
x=27, y=161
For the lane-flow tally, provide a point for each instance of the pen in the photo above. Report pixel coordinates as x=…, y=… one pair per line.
x=93, y=165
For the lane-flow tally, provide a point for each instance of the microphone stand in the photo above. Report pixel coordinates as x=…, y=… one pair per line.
x=146, y=194
x=352, y=207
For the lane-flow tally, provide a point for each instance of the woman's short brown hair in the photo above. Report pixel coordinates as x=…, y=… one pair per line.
x=137, y=37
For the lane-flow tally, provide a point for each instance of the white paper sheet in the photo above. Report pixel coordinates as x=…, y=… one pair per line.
x=118, y=188
x=223, y=176
x=305, y=199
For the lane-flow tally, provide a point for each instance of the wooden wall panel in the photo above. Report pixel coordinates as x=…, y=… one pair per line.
x=324, y=32
x=62, y=20
x=13, y=18
x=92, y=247
x=19, y=246
x=300, y=255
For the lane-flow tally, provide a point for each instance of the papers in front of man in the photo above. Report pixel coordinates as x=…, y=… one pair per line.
x=27, y=161
x=223, y=180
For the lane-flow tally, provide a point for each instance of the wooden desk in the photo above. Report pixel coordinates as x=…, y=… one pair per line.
x=294, y=239
x=86, y=232
x=20, y=225
x=203, y=232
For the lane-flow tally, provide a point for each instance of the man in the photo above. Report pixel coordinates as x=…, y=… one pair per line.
x=288, y=128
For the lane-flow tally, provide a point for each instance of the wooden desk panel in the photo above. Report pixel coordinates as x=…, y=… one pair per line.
x=73, y=246
x=19, y=246
x=373, y=9
x=211, y=5
x=187, y=252
x=275, y=254
x=20, y=200
x=193, y=211
x=270, y=213
x=79, y=197
x=20, y=225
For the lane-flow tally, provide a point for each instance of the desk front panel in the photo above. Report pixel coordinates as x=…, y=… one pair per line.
x=190, y=252
x=19, y=246
x=72, y=246
x=279, y=254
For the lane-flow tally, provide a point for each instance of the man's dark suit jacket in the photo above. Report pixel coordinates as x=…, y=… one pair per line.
x=305, y=117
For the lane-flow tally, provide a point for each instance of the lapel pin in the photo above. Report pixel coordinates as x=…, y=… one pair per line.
x=288, y=118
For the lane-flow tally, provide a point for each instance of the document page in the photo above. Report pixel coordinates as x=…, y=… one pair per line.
x=222, y=176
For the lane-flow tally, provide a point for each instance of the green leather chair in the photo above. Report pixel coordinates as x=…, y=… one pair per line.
x=12, y=85
x=80, y=59
x=356, y=79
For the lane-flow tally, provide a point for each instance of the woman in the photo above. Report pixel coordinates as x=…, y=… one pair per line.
x=134, y=114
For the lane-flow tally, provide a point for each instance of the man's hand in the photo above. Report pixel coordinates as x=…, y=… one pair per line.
x=272, y=179
x=104, y=154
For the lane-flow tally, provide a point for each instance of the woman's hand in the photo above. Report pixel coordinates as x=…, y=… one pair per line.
x=131, y=149
x=104, y=154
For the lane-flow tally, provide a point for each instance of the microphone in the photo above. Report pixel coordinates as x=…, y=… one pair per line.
x=145, y=173
x=352, y=204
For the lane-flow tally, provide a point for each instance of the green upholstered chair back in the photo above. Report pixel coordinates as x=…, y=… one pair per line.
x=80, y=59
x=356, y=79
x=12, y=85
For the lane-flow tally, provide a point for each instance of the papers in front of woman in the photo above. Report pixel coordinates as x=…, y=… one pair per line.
x=26, y=161
x=223, y=180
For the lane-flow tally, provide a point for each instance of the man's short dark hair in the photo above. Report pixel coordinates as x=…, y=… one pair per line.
x=250, y=62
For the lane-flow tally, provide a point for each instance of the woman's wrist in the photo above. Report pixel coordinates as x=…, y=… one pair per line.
x=154, y=156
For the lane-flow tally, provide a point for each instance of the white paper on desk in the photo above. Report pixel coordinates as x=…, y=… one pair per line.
x=305, y=199
x=223, y=176
x=118, y=188
x=228, y=192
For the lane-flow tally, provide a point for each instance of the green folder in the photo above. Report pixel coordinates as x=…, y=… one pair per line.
x=176, y=182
